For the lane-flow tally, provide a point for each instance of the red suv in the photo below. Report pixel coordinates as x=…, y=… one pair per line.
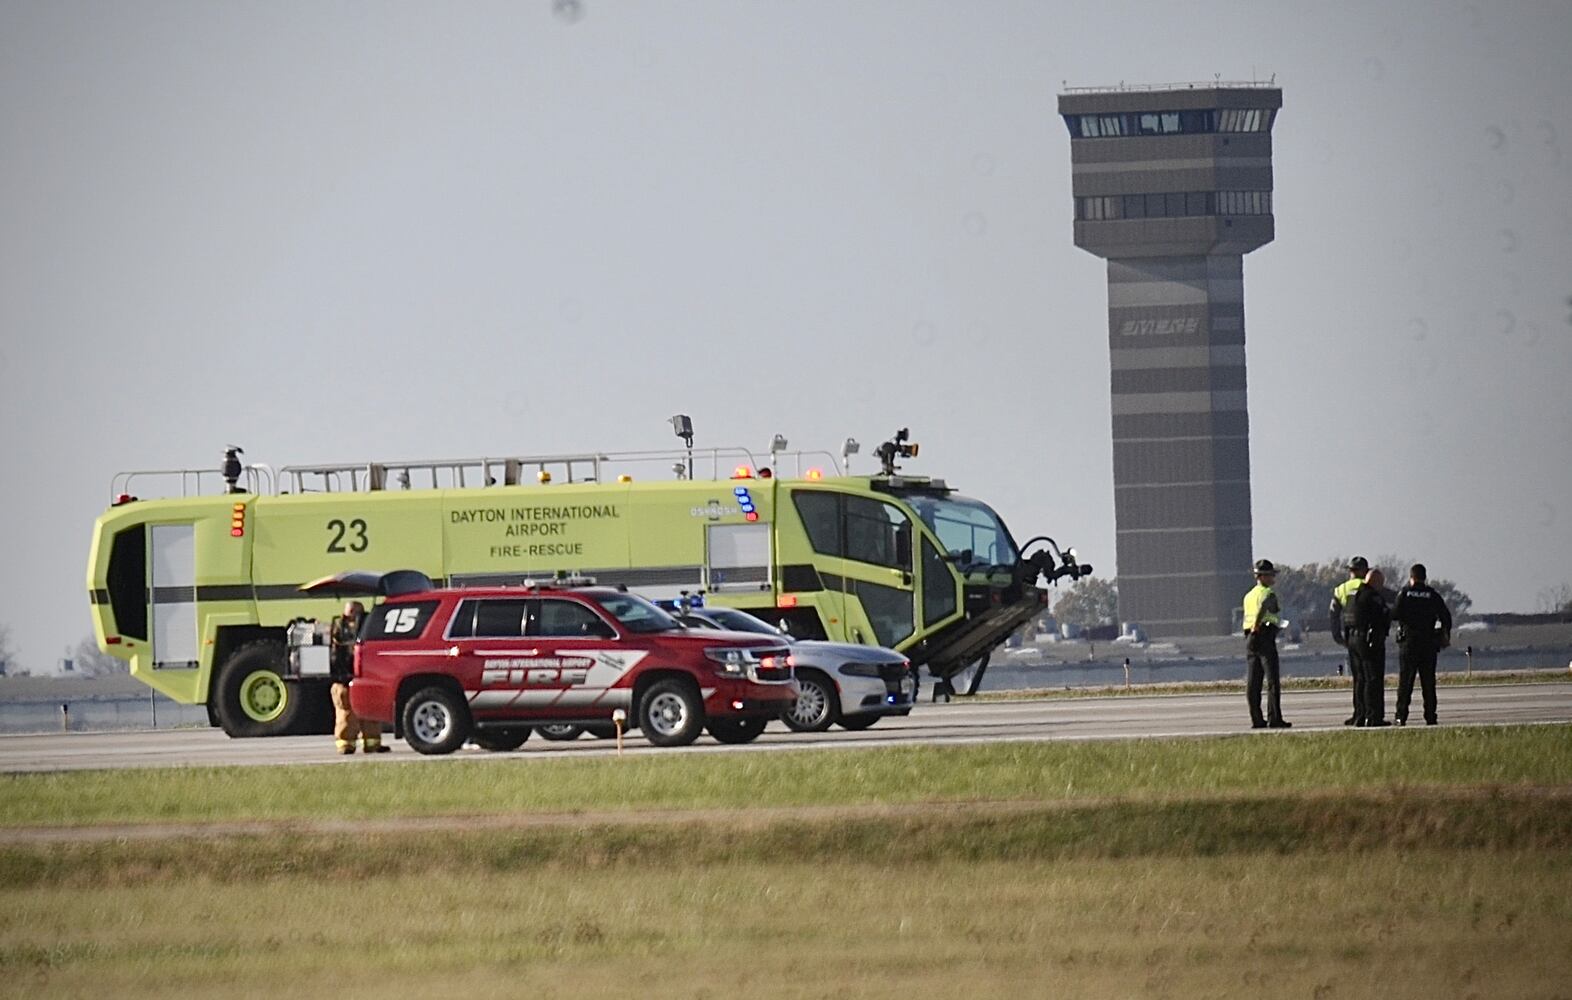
x=445, y=666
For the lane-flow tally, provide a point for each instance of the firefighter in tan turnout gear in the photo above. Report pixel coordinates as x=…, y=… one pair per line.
x=347, y=727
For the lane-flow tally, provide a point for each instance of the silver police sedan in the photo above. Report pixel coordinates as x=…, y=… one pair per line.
x=840, y=682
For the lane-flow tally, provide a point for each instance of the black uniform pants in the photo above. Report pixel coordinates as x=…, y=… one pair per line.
x=1416, y=658
x=1371, y=680
x=1261, y=663
x=1356, y=670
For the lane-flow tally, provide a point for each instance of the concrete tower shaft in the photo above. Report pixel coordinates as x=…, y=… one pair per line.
x=1172, y=187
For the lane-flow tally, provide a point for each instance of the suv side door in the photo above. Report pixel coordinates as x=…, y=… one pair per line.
x=491, y=655
x=575, y=640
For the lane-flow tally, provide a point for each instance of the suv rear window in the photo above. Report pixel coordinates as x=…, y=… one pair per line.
x=398, y=621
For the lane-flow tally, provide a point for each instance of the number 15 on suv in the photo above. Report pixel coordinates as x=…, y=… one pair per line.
x=445, y=666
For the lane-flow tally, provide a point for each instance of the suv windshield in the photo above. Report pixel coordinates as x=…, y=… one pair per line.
x=636, y=614
x=963, y=525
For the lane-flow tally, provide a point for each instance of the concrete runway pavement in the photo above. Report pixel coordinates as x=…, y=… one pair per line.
x=960, y=722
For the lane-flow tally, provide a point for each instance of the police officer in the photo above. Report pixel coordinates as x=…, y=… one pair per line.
x=1358, y=566
x=1262, y=619
x=1424, y=628
x=1366, y=622
x=346, y=724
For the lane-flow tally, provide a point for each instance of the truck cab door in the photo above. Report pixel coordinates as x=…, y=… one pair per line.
x=876, y=572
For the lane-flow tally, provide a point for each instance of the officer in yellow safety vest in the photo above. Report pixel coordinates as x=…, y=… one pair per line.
x=1262, y=619
x=1337, y=614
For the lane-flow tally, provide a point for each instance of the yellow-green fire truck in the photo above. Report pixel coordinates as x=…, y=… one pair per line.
x=182, y=585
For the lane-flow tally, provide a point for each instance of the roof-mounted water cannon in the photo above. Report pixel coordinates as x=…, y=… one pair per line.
x=231, y=469
x=896, y=447
x=1051, y=563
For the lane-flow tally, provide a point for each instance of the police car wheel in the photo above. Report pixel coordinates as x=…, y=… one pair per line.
x=501, y=739
x=857, y=723
x=436, y=721
x=737, y=730
x=817, y=705
x=559, y=731
x=671, y=713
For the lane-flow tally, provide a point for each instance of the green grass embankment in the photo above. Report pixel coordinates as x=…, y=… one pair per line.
x=1273, y=764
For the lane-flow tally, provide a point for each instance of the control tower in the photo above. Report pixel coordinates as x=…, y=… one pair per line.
x=1172, y=186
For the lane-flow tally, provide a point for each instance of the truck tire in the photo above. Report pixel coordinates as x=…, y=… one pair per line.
x=671, y=713
x=857, y=723
x=602, y=730
x=252, y=695
x=738, y=730
x=501, y=740
x=818, y=704
x=559, y=732
x=436, y=721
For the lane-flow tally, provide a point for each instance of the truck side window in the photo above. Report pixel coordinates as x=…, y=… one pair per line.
x=569, y=619
x=821, y=517
x=871, y=530
x=938, y=586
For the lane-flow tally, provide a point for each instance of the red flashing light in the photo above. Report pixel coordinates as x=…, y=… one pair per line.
x=751, y=515
x=815, y=474
x=113, y=640
x=742, y=472
x=237, y=532
x=786, y=601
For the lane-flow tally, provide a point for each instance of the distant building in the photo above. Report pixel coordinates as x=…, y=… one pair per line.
x=1172, y=186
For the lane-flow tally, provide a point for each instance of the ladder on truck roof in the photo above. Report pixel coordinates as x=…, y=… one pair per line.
x=478, y=473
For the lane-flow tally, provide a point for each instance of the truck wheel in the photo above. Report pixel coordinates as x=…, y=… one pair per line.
x=857, y=723
x=436, y=721
x=817, y=707
x=559, y=731
x=254, y=699
x=501, y=739
x=671, y=714
x=738, y=730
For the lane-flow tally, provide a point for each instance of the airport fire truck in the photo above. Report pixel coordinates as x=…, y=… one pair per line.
x=197, y=590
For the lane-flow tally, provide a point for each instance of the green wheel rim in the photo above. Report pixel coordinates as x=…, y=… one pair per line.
x=263, y=696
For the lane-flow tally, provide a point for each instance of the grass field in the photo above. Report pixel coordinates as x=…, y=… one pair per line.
x=1534, y=755
x=1416, y=864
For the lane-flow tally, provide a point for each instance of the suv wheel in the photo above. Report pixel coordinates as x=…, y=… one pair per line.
x=559, y=731
x=671, y=714
x=436, y=721
x=501, y=739
x=817, y=706
x=738, y=730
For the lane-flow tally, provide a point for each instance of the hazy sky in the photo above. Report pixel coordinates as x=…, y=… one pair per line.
x=346, y=231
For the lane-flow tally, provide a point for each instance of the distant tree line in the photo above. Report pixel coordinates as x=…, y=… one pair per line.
x=1303, y=591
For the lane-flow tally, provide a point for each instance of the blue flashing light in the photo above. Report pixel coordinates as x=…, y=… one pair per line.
x=741, y=491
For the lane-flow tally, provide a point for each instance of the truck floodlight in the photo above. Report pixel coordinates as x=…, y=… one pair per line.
x=232, y=468
x=680, y=469
x=850, y=447
x=683, y=425
x=777, y=445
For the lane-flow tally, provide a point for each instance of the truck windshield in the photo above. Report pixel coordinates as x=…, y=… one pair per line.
x=965, y=525
x=638, y=615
